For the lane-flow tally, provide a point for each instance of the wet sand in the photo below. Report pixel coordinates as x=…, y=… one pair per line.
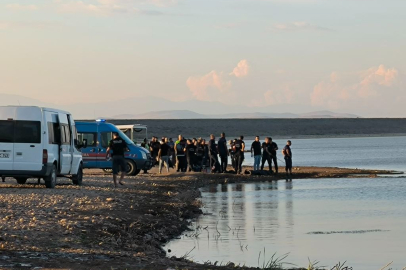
x=98, y=227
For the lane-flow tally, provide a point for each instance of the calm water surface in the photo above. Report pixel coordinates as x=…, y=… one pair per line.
x=280, y=216
x=368, y=216
x=366, y=153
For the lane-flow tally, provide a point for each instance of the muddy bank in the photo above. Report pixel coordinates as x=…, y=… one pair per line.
x=97, y=227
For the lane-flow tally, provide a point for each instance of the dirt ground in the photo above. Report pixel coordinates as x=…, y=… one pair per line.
x=95, y=226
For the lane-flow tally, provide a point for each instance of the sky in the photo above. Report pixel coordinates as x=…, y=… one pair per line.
x=268, y=55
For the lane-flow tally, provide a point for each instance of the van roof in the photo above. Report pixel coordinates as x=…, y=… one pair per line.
x=133, y=126
x=40, y=108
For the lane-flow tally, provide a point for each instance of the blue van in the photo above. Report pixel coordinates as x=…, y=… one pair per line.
x=97, y=135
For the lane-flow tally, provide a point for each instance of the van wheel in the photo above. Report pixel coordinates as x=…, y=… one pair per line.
x=77, y=178
x=131, y=167
x=50, y=180
x=137, y=172
x=21, y=180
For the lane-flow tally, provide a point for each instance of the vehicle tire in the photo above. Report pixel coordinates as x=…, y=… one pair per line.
x=77, y=178
x=131, y=167
x=50, y=180
x=108, y=170
x=21, y=180
x=137, y=171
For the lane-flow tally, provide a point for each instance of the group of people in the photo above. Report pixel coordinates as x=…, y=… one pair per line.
x=198, y=155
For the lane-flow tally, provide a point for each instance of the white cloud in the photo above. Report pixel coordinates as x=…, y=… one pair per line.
x=298, y=26
x=241, y=70
x=217, y=83
x=21, y=7
x=200, y=86
x=375, y=84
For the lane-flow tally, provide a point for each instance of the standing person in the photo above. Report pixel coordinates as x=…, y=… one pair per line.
x=266, y=154
x=223, y=152
x=179, y=152
x=119, y=147
x=239, y=147
x=206, y=155
x=199, y=154
x=172, y=156
x=273, y=149
x=154, y=148
x=163, y=155
x=213, y=152
x=256, y=152
x=287, y=153
x=231, y=152
x=190, y=155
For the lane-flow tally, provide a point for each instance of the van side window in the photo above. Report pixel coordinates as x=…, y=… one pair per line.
x=6, y=131
x=27, y=132
x=20, y=131
x=105, y=139
x=54, y=134
x=67, y=134
x=90, y=137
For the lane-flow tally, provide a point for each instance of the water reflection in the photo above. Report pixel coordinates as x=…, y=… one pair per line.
x=246, y=218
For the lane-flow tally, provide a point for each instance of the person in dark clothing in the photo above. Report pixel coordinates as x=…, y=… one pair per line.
x=239, y=147
x=213, y=152
x=118, y=147
x=287, y=153
x=182, y=158
x=273, y=149
x=172, y=154
x=190, y=155
x=223, y=152
x=163, y=155
x=266, y=154
x=256, y=153
x=154, y=149
x=206, y=155
x=199, y=154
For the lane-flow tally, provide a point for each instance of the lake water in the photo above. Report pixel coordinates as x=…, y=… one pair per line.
x=367, y=153
x=361, y=221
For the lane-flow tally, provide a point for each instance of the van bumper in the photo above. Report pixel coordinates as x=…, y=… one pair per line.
x=45, y=171
x=148, y=164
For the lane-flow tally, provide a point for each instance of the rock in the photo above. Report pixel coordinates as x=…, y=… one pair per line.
x=110, y=200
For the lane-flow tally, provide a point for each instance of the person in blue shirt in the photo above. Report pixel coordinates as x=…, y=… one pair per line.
x=256, y=153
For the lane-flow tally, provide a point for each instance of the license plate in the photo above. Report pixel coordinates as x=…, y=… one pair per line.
x=4, y=155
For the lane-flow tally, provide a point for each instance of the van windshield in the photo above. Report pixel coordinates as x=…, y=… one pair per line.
x=124, y=137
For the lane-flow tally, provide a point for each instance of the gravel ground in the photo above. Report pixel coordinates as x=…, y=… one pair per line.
x=96, y=226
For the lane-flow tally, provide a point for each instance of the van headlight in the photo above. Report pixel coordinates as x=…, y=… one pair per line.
x=144, y=155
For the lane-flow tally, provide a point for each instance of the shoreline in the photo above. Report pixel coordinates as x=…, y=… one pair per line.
x=97, y=227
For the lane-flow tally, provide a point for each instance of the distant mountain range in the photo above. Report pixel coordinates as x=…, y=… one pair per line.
x=160, y=108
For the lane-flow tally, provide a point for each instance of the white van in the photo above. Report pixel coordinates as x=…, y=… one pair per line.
x=38, y=143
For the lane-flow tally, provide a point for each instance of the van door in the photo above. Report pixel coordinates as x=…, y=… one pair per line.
x=105, y=138
x=89, y=153
x=6, y=145
x=65, y=150
x=27, y=146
